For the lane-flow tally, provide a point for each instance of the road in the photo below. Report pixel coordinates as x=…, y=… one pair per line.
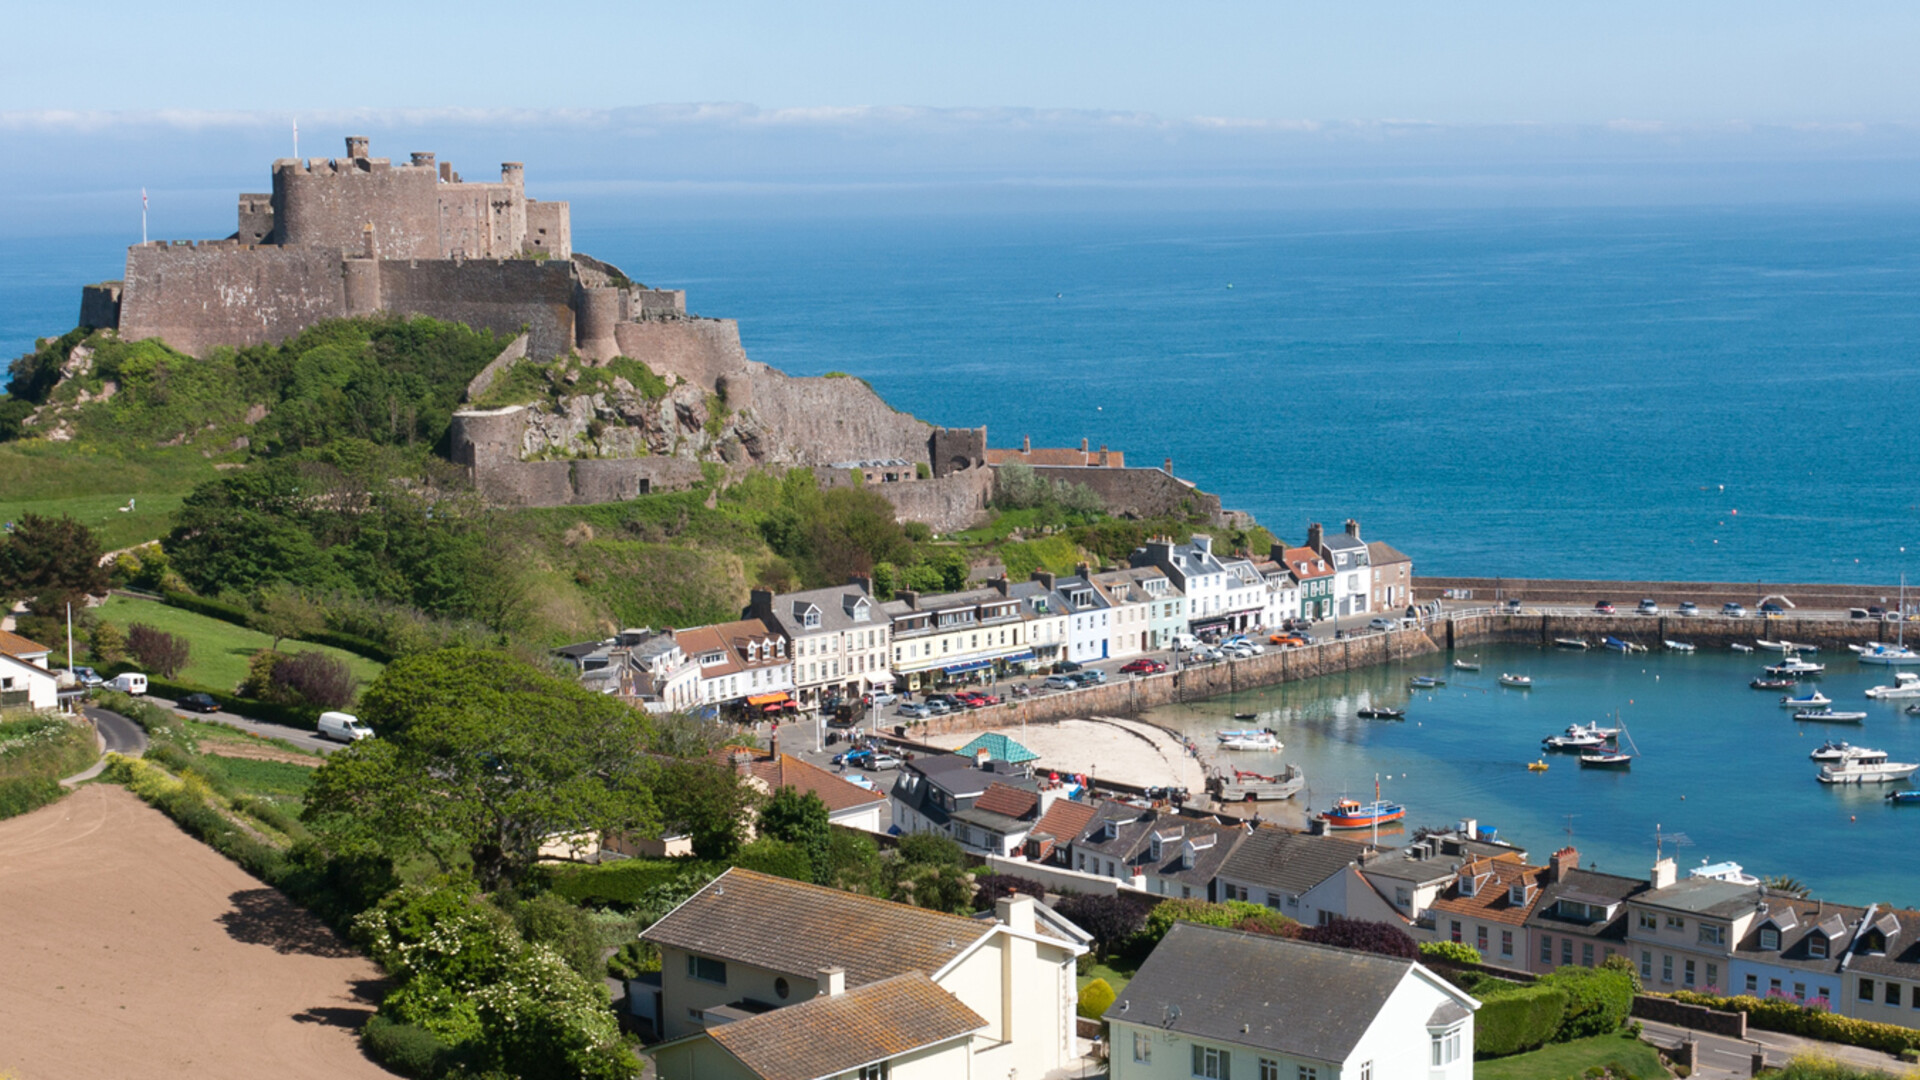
x=119, y=734
x=300, y=737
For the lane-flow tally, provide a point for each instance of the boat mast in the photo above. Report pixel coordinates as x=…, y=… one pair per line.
x=1376, y=810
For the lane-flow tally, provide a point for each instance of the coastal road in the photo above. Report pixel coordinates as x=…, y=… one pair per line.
x=119, y=734
x=300, y=737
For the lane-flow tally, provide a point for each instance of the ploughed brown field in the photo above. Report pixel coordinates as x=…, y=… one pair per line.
x=129, y=949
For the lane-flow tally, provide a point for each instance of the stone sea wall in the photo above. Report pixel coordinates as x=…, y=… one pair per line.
x=1706, y=632
x=1585, y=593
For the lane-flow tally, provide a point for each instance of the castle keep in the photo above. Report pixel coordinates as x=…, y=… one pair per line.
x=359, y=234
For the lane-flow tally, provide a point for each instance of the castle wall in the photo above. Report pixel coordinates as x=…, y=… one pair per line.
x=490, y=441
x=498, y=295
x=946, y=504
x=810, y=421
x=329, y=203
x=100, y=305
x=1140, y=493
x=957, y=449
x=196, y=296
x=697, y=350
x=255, y=219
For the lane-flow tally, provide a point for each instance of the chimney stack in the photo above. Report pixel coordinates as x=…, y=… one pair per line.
x=1016, y=912
x=1353, y=528
x=423, y=159
x=1567, y=858
x=1314, y=537
x=1083, y=446
x=1044, y=577
x=999, y=584
x=1664, y=874
x=1026, y=444
x=907, y=597
x=1103, y=456
x=832, y=981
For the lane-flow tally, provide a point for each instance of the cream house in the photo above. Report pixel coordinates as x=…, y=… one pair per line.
x=752, y=945
x=25, y=680
x=1221, y=1004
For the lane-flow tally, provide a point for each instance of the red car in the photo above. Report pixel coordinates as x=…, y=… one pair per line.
x=1603, y=608
x=970, y=699
x=1143, y=666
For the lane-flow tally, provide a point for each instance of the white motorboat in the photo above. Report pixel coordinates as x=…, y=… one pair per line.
x=1737, y=647
x=1678, y=646
x=1839, y=751
x=1813, y=699
x=1862, y=772
x=1774, y=646
x=1571, y=643
x=1265, y=740
x=1889, y=655
x=1466, y=665
x=1793, y=668
x=1592, y=729
x=1582, y=741
x=1520, y=682
x=1906, y=684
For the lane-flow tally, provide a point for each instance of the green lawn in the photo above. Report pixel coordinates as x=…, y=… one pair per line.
x=60, y=478
x=220, y=649
x=1118, y=978
x=1567, y=1061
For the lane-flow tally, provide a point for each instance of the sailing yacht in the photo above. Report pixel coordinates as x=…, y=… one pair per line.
x=1897, y=653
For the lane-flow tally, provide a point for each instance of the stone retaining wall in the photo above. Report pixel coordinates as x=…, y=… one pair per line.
x=1707, y=632
x=1487, y=590
x=1694, y=1017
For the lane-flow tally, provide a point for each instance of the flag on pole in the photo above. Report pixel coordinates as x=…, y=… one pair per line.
x=143, y=215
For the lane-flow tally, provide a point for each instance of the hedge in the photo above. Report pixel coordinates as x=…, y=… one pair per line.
x=22, y=794
x=1457, y=951
x=1779, y=1014
x=407, y=1049
x=1598, y=1000
x=241, y=616
x=300, y=716
x=1513, y=1021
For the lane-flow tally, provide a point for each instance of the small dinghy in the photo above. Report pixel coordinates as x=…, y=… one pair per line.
x=1518, y=682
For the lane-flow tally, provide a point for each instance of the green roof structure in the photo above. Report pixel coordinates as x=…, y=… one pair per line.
x=998, y=748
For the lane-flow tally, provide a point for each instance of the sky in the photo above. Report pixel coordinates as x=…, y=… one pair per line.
x=732, y=106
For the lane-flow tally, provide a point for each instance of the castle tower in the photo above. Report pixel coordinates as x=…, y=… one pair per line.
x=357, y=147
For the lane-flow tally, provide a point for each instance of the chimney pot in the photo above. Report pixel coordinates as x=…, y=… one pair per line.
x=833, y=981
x=1026, y=444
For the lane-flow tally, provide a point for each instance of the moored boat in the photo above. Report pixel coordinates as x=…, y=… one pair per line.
x=1381, y=712
x=1537, y=766
x=1614, y=643
x=1249, y=739
x=1354, y=814
x=1247, y=786
x=1520, y=682
x=1773, y=646
x=1737, y=647
x=1571, y=643
x=1466, y=665
x=1773, y=684
x=1426, y=682
x=1834, y=751
x=1678, y=646
x=1906, y=684
x=1795, y=668
x=1897, y=797
x=1890, y=655
x=1860, y=772
x=1811, y=700
x=1606, y=757
x=1828, y=716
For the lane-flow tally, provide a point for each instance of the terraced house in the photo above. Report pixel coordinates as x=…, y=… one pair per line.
x=743, y=666
x=837, y=637
x=1313, y=577
x=1681, y=933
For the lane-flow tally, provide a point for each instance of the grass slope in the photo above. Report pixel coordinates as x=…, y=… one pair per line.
x=63, y=478
x=220, y=649
x=1626, y=1055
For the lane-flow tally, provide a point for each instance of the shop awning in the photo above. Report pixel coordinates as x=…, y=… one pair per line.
x=968, y=665
x=1019, y=658
x=767, y=699
x=1210, y=624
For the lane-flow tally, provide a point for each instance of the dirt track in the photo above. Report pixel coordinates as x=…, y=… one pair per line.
x=131, y=950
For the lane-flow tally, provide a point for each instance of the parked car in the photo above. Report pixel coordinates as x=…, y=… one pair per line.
x=1513, y=605
x=343, y=727
x=1733, y=611
x=938, y=708
x=1285, y=639
x=1092, y=677
x=1689, y=609
x=1649, y=607
x=1061, y=682
x=854, y=759
x=913, y=712
x=198, y=702
x=1065, y=666
x=1603, y=607
x=1771, y=610
x=88, y=677
x=880, y=697
x=129, y=682
x=988, y=699
x=1146, y=665
x=882, y=760
x=1380, y=623
x=1874, y=611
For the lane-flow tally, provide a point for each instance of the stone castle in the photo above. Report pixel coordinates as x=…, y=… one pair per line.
x=360, y=235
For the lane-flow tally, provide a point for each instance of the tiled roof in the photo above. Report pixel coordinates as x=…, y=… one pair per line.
x=14, y=645
x=1007, y=800
x=998, y=747
x=1306, y=563
x=1269, y=993
x=791, y=772
x=1796, y=920
x=1056, y=455
x=1065, y=820
x=828, y=1036
x=790, y=926
x=1283, y=861
x=1379, y=553
x=1492, y=899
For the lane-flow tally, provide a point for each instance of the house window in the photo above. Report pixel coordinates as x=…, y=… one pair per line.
x=1586, y=954
x=1446, y=1047
x=1143, y=1048
x=1800, y=992
x=1306, y=1072
x=1506, y=943
x=1817, y=945
x=706, y=969
x=1675, y=922
x=1212, y=1063
x=1773, y=987
x=1269, y=1069
x=1566, y=951
x=1689, y=973
x=1893, y=994
x=1648, y=922
x=1713, y=978
x=1770, y=939
x=1366, y=1070
x=875, y=1071
x=1712, y=935
x=1480, y=939
x=1753, y=984
x=1546, y=950
x=1666, y=968
x=1456, y=930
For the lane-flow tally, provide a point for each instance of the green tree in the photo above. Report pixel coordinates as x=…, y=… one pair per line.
x=800, y=819
x=50, y=562
x=280, y=612
x=710, y=803
x=483, y=757
x=107, y=644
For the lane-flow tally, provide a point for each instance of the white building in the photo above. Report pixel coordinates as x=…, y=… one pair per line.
x=742, y=664
x=1198, y=575
x=25, y=680
x=836, y=637
x=1223, y=1004
x=1352, y=570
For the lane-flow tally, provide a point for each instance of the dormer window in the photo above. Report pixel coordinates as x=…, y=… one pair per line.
x=1466, y=885
x=1873, y=941
x=1817, y=945
x=1770, y=939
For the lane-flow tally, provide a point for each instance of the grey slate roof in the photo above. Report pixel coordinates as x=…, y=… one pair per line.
x=1588, y=887
x=1796, y=920
x=835, y=603
x=1295, y=998
x=1704, y=896
x=1289, y=862
x=1902, y=957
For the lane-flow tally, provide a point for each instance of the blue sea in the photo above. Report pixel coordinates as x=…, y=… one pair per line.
x=1683, y=393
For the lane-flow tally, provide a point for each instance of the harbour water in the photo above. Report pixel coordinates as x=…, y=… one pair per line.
x=1721, y=763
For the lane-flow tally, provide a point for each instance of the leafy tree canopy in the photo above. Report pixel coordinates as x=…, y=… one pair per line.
x=50, y=562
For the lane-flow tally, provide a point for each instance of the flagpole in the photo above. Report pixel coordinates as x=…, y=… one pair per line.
x=296, y=138
x=143, y=215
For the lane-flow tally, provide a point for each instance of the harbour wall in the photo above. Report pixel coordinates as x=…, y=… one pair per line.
x=1707, y=631
x=1126, y=696
x=1669, y=594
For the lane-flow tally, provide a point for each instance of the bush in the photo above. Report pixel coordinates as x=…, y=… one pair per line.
x=633, y=958
x=1516, y=1020
x=1781, y=1014
x=1167, y=912
x=1458, y=952
x=1373, y=937
x=18, y=796
x=405, y=1048
x=548, y=919
x=1112, y=920
x=777, y=857
x=1598, y=1000
x=994, y=886
x=1095, y=998
x=313, y=678
x=1272, y=924
x=158, y=651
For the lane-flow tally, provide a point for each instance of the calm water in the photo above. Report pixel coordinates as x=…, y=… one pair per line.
x=1722, y=763
x=1682, y=393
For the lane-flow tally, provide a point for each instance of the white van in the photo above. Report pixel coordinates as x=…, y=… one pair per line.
x=129, y=682
x=1183, y=642
x=343, y=727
